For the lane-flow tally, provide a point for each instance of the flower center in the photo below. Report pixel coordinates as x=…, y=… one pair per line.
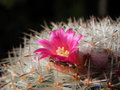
x=62, y=52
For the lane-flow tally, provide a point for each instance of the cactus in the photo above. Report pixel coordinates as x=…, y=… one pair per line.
x=93, y=65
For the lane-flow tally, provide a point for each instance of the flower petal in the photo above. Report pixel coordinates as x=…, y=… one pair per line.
x=47, y=45
x=59, y=58
x=44, y=43
x=43, y=52
x=75, y=40
x=70, y=32
x=58, y=38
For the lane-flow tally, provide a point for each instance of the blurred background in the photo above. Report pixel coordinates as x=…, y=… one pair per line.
x=18, y=16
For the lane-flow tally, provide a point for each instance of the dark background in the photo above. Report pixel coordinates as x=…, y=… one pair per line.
x=18, y=16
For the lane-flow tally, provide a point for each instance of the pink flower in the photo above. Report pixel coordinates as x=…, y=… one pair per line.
x=62, y=46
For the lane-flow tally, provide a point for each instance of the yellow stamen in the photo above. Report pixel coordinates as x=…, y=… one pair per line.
x=62, y=52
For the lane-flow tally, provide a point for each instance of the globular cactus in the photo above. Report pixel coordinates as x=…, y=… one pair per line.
x=78, y=55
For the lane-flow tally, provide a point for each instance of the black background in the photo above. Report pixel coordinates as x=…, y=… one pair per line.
x=18, y=16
